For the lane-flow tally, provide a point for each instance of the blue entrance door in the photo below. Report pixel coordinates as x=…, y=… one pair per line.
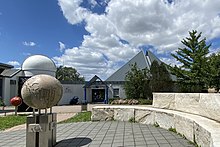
x=98, y=95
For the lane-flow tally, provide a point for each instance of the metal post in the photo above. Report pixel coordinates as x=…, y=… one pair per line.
x=30, y=134
x=54, y=128
x=106, y=94
x=84, y=94
x=41, y=130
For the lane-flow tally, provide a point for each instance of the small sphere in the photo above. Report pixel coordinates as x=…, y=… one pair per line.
x=41, y=91
x=16, y=101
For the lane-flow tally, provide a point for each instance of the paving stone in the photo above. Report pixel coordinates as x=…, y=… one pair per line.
x=161, y=141
x=151, y=142
x=103, y=134
x=165, y=145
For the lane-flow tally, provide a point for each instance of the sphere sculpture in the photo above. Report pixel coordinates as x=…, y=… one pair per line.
x=16, y=101
x=41, y=91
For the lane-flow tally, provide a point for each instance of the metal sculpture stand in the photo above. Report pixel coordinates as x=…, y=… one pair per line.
x=41, y=129
x=41, y=92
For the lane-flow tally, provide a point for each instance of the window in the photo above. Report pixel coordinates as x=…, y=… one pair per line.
x=12, y=82
x=115, y=93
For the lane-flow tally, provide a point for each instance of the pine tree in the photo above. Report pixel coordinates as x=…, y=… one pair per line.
x=192, y=74
x=214, y=69
x=160, y=80
x=137, y=83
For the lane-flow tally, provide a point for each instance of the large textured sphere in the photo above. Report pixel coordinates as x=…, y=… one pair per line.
x=41, y=91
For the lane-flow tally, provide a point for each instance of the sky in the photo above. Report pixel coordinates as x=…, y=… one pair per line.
x=97, y=37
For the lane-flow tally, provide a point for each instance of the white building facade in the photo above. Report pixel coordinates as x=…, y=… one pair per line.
x=11, y=80
x=94, y=91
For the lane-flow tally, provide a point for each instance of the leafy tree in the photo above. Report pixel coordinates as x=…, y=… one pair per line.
x=192, y=74
x=160, y=80
x=68, y=74
x=214, y=69
x=137, y=83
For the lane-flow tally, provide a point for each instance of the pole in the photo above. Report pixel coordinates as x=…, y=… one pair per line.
x=16, y=110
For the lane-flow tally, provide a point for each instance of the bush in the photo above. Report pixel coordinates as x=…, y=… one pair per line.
x=130, y=102
x=112, y=99
x=145, y=102
x=1, y=102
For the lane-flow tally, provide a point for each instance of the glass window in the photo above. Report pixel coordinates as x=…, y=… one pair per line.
x=116, y=92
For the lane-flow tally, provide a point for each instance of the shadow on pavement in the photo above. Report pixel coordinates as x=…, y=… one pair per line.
x=78, y=141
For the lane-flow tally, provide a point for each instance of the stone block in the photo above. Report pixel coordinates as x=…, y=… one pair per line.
x=184, y=126
x=123, y=114
x=102, y=114
x=165, y=120
x=203, y=104
x=144, y=116
x=187, y=102
x=164, y=100
x=202, y=136
x=210, y=106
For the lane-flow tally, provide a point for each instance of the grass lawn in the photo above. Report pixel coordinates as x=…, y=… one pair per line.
x=11, y=121
x=80, y=117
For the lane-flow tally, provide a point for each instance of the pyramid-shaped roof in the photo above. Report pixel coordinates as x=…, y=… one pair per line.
x=142, y=60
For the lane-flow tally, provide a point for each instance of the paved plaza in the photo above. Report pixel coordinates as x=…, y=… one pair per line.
x=103, y=134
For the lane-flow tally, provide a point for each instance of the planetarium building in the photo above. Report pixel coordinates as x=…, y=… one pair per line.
x=11, y=80
x=92, y=91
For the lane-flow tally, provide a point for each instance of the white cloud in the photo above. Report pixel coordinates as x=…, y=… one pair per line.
x=72, y=11
x=26, y=54
x=14, y=63
x=151, y=22
x=31, y=43
x=62, y=46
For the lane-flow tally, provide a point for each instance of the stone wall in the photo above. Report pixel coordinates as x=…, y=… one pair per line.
x=203, y=131
x=203, y=104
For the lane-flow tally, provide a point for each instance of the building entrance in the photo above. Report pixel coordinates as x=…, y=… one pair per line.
x=98, y=95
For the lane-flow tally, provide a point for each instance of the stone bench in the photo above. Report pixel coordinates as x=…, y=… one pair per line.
x=196, y=128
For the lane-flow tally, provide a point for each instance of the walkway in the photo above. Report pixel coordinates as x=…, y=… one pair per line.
x=103, y=134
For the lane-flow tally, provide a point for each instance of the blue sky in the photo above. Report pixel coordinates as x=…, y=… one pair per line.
x=99, y=36
x=37, y=21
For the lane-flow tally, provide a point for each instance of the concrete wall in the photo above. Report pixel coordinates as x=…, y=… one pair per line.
x=203, y=131
x=204, y=104
x=71, y=90
x=9, y=90
x=6, y=91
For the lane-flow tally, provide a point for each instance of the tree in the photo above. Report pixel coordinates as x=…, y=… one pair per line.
x=214, y=69
x=192, y=74
x=137, y=83
x=160, y=80
x=68, y=74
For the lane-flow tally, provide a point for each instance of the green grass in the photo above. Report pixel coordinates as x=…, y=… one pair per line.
x=132, y=120
x=80, y=117
x=11, y=121
x=173, y=130
x=156, y=125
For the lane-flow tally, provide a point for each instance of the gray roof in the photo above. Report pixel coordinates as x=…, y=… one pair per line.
x=10, y=72
x=95, y=80
x=142, y=60
x=5, y=66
